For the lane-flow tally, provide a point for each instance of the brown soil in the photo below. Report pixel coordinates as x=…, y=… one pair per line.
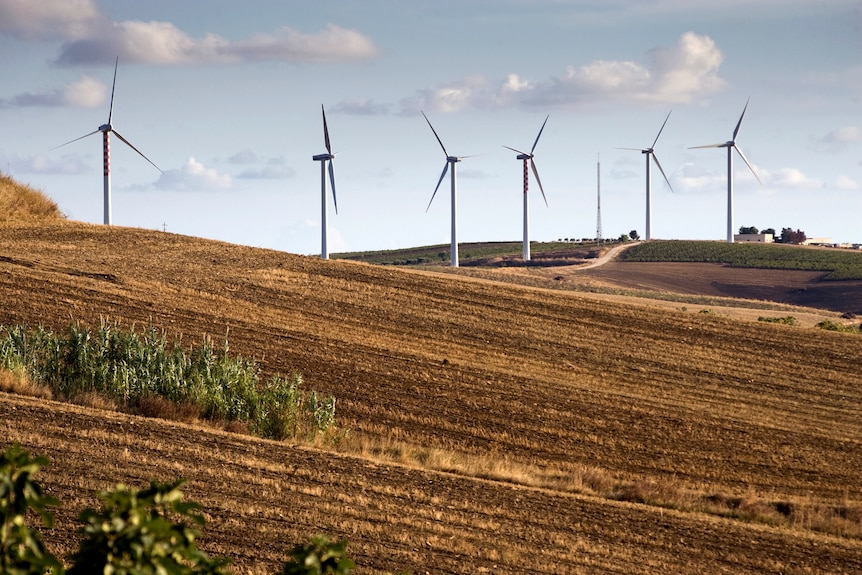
x=550, y=380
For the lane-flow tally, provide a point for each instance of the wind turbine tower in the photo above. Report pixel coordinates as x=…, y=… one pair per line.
x=650, y=152
x=529, y=159
x=598, y=199
x=730, y=145
x=324, y=159
x=453, y=161
x=107, y=130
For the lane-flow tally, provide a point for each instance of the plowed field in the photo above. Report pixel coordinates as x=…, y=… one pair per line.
x=548, y=380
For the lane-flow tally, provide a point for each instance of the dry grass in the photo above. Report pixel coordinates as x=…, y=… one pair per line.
x=19, y=202
x=18, y=382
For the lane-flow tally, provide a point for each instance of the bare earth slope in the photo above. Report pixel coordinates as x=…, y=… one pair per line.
x=539, y=377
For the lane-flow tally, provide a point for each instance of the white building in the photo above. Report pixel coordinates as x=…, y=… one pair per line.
x=758, y=238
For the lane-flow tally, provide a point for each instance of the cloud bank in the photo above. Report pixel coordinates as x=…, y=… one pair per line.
x=84, y=93
x=89, y=37
x=678, y=74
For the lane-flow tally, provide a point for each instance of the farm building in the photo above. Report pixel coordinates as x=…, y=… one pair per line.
x=759, y=238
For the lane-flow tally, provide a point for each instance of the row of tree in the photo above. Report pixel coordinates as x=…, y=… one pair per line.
x=787, y=235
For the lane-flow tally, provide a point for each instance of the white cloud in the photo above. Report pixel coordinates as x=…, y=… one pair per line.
x=194, y=176
x=363, y=107
x=679, y=74
x=839, y=140
x=89, y=37
x=842, y=182
x=41, y=164
x=789, y=178
x=48, y=19
x=84, y=93
x=163, y=43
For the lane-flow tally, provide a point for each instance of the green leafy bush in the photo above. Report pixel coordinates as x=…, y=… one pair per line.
x=835, y=326
x=145, y=532
x=21, y=549
x=320, y=556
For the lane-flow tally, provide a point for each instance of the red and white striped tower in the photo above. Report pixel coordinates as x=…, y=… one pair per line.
x=529, y=159
x=106, y=147
x=526, y=249
x=106, y=130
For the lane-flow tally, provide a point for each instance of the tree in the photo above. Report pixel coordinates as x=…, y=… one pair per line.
x=788, y=236
x=746, y=230
x=624, y=238
x=769, y=231
x=634, y=235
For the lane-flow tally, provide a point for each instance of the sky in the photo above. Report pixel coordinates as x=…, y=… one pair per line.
x=225, y=98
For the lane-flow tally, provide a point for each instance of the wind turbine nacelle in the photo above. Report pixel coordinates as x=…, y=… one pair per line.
x=105, y=128
x=322, y=157
x=453, y=159
x=524, y=156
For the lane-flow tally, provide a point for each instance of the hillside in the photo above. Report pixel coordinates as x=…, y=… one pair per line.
x=548, y=406
x=19, y=202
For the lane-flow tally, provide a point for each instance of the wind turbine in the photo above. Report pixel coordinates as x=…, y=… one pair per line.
x=453, y=251
x=650, y=152
x=529, y=159
x=328, y=157
x=107, y=130
x=730, y=145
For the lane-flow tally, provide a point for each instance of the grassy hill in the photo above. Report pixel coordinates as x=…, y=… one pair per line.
x=19, y=202
x=486, y=426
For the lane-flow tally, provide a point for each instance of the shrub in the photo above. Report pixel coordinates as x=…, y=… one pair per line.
x=320, y=556
x=21, y=549
x=142, y=533
x=789, y=320
x=835, y=326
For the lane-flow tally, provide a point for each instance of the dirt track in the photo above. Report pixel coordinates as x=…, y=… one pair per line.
x=542, y=378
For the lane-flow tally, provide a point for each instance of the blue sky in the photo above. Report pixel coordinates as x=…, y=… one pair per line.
x=225, y=98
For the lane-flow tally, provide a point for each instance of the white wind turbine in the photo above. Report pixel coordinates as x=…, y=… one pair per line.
x=529, y=158
x=328, y=157
x=106, y=130
x=453, y=251
x=651, y=152
x=730, y=145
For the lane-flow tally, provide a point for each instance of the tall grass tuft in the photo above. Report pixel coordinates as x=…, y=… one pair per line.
x=142, y=370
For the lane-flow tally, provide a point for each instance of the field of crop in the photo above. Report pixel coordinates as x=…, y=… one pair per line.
x=488, y=427
x=841, y=264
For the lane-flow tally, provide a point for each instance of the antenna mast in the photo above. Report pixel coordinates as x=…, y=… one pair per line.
x=598, y=200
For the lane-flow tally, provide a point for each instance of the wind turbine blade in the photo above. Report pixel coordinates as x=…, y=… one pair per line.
x=440, y=181
x=660, y=130
x=739, y=123
x=655, y=159
x=113, y=87
x=75, y=140
x=540, y=134
x=129, y=144
x=635, y=149
x=539, y=181
x=744, y=159
x=514, y=150
x=332, y=181
x=325, y=132
x=721, y=145
x=436, y=136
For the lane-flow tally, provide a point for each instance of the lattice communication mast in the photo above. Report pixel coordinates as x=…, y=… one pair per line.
x=599, y=200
